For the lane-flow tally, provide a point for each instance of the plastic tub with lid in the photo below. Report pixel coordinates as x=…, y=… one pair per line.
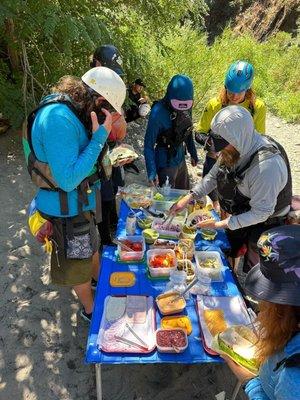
x=215, y=274
x=125, y=255
x=167, y=307
x=169, y=198
x=161, y=271
x=171, y=340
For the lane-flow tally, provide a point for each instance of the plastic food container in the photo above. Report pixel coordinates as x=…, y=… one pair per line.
x=177, y=321
x=188, y=233
x=163, y=244
x=166, y=231
x=171, y=340
x=185, y=249
x=150, y=235
x=215, y=274
x=165, y=203
x=144, y=223
x=165, y=306
x=122, y=279
x=131, y=255
x=208, y=234
x=198, y=215
x=188, y=267
x=160, y=271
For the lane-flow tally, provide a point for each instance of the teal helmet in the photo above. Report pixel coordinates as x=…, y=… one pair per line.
x=239, y=77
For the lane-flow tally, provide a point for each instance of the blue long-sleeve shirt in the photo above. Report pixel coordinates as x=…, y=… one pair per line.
x=282, y=384
x=61, y=140
x=156, y=157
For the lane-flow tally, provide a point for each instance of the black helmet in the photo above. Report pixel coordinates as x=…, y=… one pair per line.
x=109, y=56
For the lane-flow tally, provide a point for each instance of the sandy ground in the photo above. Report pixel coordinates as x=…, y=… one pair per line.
x=42, y=338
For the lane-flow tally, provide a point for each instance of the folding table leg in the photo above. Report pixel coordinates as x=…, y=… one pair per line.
x=236, y=390
x=98, y=381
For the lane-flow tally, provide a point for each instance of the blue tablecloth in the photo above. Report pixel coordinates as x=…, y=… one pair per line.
x=143, y=286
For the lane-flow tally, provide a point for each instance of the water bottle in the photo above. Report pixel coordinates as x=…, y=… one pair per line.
x=130, y=224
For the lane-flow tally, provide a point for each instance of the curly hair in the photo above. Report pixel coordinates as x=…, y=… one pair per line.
x=80, y=94
x=73, y=87
x=249, y=95
x=277, y=324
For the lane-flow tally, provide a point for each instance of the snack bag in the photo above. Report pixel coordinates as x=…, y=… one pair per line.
x=40, y=227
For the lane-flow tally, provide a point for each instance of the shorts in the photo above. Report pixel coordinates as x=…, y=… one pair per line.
x=76, y=271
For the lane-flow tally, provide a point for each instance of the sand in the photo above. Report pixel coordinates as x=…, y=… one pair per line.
x=43, y=339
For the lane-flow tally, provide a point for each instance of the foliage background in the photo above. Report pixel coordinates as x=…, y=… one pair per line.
x=40, y=41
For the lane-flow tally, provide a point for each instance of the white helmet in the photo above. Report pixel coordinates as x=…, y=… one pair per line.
x=144, y=110
x=108, y=84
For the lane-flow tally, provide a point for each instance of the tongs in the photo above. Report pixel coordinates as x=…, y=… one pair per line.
x=123, y=246
x=136, y=335
x=189, y=287
x=168, y=220
x=130, y=342
x=131, y=210
x=152, y=213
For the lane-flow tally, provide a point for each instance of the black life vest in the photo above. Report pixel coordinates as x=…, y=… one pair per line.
x=40, y=171
x=292, y=361
x=232, y=200
x=181, y=129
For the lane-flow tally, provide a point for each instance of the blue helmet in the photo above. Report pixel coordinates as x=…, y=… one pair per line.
x=239, y=77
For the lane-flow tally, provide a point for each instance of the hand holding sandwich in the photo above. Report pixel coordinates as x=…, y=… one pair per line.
x=241, y=373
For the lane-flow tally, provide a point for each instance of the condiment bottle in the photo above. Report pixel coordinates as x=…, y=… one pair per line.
x=130, y=224
x=167, y=187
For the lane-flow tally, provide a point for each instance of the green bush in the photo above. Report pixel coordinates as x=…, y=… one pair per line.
x=276, y=80
x=156, y=39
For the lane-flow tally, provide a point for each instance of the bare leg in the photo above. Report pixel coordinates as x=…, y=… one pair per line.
x=96, y=266
x=84, y=293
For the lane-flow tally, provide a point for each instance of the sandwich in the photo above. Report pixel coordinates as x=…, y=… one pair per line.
x=239, y=343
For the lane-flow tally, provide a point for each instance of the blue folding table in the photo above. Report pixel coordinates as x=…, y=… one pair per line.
x=195, y=353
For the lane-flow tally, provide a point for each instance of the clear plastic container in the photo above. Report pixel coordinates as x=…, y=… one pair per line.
x=164, y=231
x=177, y=282
x=125, y=255
x=194, y=216
x=164, y=271
x=169, y=199
x=175, y=348
x=167, y=307
x=202, y=287
x=215, y=274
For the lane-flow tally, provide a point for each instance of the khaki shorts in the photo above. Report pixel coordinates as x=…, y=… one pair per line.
x=72, y=272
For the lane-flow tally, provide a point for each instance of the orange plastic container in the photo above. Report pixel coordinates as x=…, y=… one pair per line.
x=122, y=279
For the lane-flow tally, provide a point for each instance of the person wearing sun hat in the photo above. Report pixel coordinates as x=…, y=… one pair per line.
x=275, y=283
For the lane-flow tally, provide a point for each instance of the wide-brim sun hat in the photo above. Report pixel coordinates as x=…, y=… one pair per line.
x=276, y=278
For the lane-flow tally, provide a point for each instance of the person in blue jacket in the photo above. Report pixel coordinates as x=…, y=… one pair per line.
x=169, y=135
x=66, y=138
x=275, y=282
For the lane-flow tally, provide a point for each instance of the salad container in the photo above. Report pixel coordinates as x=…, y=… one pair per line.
x=203, y=261
x=161, y=262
